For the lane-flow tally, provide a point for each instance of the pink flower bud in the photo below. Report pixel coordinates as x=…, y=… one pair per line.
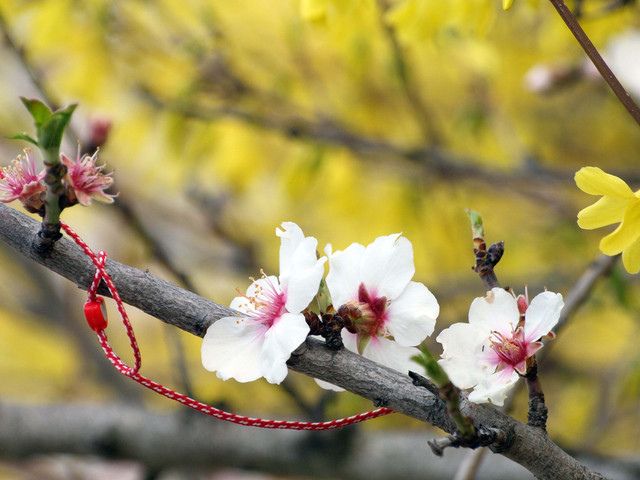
x=522, y=304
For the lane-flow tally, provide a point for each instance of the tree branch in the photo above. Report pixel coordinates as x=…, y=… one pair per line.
x=530, y=447
x=597, y=60
x=172, y=440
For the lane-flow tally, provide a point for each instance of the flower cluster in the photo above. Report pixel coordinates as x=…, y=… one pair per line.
x=385, y=316
x=84, y=181
x=394, y=313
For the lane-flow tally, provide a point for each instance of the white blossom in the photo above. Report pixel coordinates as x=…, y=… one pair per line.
x=397, y=313
x=259, y=341
x=490, y=352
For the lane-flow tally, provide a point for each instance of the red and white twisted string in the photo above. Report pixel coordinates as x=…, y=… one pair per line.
x=96, y=317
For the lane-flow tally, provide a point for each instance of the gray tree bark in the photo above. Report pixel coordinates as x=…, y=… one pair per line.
x=530, y=447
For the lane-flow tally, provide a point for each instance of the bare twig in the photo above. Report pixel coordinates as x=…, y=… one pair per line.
x=468, y=468
x=583, y=287
x=486, y=258
x=597, y=59
x=538, y=411
x=429, y=127
x=576, y=297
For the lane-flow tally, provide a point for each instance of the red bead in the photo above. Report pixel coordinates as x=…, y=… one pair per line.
x=96, y=314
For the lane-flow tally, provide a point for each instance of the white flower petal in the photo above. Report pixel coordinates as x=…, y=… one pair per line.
x=387, y=266
x=412, y=315
x=385, y=352
x=494, y=388
x=243, y=305
x=232, y=348
x=542, y=315
x=498, y=311
x=328, y=386
x=343, y=279
x=262, y=285
x=300, y=269
x=462, y=354
x=303, y=283
x=284, y=336
x=290, y=238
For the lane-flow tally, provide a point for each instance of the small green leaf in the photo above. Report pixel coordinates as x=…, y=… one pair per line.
x=50, y=132
x=324, y=298
x=363, y=341
x=432, y=367
x=23, y=136
x=476, y=223
x=50, y=126
x=38, y=110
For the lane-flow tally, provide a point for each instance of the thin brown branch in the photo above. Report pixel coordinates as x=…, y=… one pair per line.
x=538, y=411
x=578, y=294
x=468, y=468
x=597, y=59
x=32, y=73
x=422, y=114
x=584, y=286
x=439, y=161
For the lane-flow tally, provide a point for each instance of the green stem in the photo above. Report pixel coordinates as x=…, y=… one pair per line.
x=50, y=230
x=597, y=60
x=448, y=392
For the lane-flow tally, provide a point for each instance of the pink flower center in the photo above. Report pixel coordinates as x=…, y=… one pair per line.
x=374, y=313
x=268, y=301
x=511, y=351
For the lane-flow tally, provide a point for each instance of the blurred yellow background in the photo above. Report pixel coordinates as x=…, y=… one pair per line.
x=352, y=118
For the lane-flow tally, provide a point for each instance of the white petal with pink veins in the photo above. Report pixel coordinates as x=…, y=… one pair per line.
x=302, y=284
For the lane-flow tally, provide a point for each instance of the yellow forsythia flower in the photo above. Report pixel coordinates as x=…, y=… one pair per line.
x=619, y=204
x=313, y=10
x=506, y=4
